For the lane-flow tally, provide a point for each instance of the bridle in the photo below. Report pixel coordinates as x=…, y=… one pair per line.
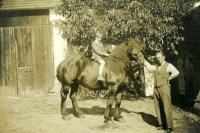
x=136, y=57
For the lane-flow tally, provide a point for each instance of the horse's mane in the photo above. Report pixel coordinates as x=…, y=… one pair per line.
x=120, y=52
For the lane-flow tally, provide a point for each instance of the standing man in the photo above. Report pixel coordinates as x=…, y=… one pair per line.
x=97, y=52
x=164, y=72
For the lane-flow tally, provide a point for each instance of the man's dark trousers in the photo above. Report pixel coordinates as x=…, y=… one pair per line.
x=162, y=101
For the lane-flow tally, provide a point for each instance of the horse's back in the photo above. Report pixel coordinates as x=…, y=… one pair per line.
x=72, y=67
x=85, y=71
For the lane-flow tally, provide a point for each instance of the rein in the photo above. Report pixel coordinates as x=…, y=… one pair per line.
x=136, y=57
x=120, y=59
x=126, y=61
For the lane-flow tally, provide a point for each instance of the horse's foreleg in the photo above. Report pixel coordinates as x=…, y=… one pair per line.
x=117, y=115
x=64, y=91
x=73, y=95
x=107, y=113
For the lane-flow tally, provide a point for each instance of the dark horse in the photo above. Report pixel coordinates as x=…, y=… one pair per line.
x=78, y=69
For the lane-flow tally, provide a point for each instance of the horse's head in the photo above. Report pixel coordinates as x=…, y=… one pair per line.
x=135, y=51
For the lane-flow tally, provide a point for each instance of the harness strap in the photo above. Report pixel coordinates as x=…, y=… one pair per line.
x=120, y=59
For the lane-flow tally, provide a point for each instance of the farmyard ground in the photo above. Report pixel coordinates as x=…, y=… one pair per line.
x=41, y=114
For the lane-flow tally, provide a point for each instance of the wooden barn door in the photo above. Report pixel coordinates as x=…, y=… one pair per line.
x=26, y=52
x=26, y=60
x=8, y=59
x=25, y=68
x=35, y=71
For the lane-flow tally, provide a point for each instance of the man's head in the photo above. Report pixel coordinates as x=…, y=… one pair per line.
x=160, y=57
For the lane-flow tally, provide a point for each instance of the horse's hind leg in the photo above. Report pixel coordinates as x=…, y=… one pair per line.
x=64, y=91
x=73, y=95
x=117, y=115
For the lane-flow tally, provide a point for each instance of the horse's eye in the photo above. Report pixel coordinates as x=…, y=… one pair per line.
x=142, y=50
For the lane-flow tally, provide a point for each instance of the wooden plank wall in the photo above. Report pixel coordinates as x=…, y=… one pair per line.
x=44, y=62
x=24, y=18
x=26, y=41
x=28, y=46
x=8, y=61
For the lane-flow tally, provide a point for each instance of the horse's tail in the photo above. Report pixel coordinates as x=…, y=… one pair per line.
x=58, y=72
x=58, y=77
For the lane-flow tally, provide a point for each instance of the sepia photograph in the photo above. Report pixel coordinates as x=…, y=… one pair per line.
x=99, y=66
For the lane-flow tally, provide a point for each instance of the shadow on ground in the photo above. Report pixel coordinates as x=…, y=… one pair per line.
x=96, y=110
x=148, y=118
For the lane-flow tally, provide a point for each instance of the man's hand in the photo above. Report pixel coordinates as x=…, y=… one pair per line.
x=106, y=54
x=169, y=81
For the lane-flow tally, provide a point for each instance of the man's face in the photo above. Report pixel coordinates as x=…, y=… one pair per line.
x=160, y=58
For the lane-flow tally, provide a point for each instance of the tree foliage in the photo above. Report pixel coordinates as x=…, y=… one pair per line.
x=157, y=24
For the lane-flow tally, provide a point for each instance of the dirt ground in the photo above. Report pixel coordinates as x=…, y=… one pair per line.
x=41, y=114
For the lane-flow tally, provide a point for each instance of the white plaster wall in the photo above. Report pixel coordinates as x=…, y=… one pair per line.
x=60, y=47
x=196, y=5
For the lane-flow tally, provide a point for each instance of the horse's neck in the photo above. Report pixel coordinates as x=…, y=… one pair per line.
x=117, y=65
x=120, y=53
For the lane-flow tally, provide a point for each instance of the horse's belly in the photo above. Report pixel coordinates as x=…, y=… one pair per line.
x=88, y=76
x=88, y=82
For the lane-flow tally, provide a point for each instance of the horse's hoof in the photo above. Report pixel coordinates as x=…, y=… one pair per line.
x=81, y=116
x=65, y=117
x=64, y=112
x=109, y=122
x=120, y=119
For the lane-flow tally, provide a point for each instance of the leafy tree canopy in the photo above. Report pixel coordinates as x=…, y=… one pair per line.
x=156, y=23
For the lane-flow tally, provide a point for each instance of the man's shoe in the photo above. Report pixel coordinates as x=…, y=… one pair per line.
x=160, y=128
x=169, y=130
x=100, y=78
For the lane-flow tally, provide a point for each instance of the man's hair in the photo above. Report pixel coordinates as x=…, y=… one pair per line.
x=160, y=52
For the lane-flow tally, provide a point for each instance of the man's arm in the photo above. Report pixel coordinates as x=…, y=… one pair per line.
x=174, y=72
x=149, y=66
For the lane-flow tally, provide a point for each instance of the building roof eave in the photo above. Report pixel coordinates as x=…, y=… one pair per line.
x=28, y=4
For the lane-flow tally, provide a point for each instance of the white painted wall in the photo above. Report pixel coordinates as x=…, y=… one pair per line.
x=196, y=5
x=60, y=47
